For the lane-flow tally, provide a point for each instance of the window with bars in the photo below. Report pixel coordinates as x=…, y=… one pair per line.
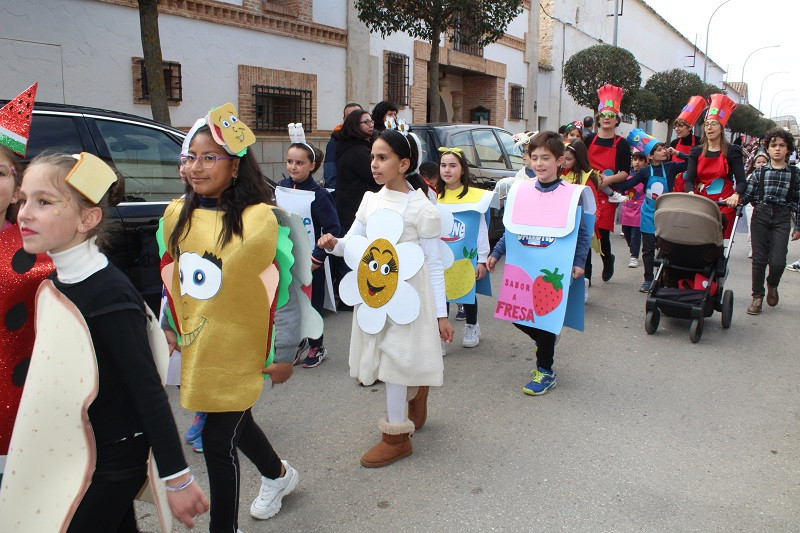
x=278, y=106
x=458, y=42
x=172, y=80
x=517, y=98
x=397, y=78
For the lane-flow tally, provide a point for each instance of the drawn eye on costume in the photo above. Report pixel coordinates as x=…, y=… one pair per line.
x=200, y=276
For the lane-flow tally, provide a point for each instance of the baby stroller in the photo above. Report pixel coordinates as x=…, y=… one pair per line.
x=692, y=262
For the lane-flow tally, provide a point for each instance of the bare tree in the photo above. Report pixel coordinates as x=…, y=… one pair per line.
x=153, y=62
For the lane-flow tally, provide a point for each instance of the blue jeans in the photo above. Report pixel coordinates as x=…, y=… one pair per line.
x=633, y=236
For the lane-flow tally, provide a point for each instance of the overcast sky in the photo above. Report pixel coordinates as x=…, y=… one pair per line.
x=738, y=28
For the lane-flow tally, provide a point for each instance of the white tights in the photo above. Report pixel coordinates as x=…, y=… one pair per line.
x=396, y=403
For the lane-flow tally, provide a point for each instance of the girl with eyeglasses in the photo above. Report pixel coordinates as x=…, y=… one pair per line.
x=353, y=176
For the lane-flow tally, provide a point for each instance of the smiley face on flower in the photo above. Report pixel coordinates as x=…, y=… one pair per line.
x=380, y=269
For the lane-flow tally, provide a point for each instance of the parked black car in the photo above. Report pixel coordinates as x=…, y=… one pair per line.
x=489, y=151
x=145, y=152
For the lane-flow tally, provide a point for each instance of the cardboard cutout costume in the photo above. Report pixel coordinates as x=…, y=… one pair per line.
x=462, y=239
x=541, y=236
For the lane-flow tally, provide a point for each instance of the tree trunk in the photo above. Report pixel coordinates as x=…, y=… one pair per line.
x=433, y=79
x=670, y=126
x=153, y=62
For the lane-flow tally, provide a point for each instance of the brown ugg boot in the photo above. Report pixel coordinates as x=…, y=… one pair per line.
x=394, y=445
x=418, y=406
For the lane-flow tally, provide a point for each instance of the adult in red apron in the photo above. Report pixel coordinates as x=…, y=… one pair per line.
x=685, y=140
x=712, y=177
x=604, y=160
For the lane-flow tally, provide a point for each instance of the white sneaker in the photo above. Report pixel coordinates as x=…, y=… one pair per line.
x=585, y=290
x=272, y=491
x=633, y=263
x=472, y=335
x=617, y=198
x=794, y=267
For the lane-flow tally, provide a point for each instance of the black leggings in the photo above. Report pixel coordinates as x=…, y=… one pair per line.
x=119, y=474
x=470, y=312
x=605, y=247
x=545, y=345
x=222, y=435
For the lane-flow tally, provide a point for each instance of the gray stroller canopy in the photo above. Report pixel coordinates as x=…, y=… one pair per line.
x=689, y=219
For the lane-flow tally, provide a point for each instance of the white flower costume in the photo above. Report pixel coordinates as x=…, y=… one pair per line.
x=395, y=332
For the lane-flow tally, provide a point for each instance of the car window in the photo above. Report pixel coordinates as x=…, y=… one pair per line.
x=423, y=141
x=463, y=141
x=147, y=157
x=489, y=152
x=51, y=132
x=514, y=153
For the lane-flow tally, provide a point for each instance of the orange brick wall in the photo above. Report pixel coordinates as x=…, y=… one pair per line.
x=488, y=92
x=249, y=76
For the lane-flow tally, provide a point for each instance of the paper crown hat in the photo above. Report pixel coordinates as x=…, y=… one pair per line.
x=15, y=121
x=720, y=109
x=641, y=141
x=693, y=109
x=574, y=125
x=610, y=98
x=91, y=176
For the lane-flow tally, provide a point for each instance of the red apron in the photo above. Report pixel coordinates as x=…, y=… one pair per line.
x=680, y=145
x=604, y=160
x=712, y=182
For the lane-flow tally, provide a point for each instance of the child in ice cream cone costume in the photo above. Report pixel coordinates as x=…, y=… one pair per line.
x=20, y=272
x=610, y=156
x=233, y=270
x=715, y=165
x=398, y=292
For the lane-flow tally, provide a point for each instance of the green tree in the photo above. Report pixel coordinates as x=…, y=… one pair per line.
x=473, y=21
x=593, y=67
x=708, y=89
x=674, y=88
x=744, y=119
x=762, y=126
x=645, y=104
x=153, y=62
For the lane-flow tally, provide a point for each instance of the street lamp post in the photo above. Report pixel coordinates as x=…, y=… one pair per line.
x=708, y=28
x=773, y=99
x=761, y=90
x=777, y=109
x=741, y=97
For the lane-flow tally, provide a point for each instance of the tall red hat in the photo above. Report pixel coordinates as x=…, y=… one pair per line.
x=15, y=120
x=610, y=98
x=692, y=111
x=720, y=109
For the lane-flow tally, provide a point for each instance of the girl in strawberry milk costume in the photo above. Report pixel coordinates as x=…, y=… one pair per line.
x=548, y=229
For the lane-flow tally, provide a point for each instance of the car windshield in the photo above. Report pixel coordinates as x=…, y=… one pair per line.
x=514, y=153
x=489, y=152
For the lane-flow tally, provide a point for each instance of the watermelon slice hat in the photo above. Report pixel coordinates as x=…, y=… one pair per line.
x=15, y=121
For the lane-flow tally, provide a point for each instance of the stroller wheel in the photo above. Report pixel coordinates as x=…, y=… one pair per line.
x=651, y=320
x=696, y=330
x=727, y=309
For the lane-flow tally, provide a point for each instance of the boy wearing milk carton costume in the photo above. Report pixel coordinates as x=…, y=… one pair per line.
x=548, y=224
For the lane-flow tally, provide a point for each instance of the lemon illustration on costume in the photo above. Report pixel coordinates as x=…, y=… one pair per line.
x=378, y=273
x=460, y=278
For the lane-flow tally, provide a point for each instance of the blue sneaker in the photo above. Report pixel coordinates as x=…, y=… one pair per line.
x=646, y=286
x=196, y=430
x=543, y=381
x=461, y=315
x=197, y=445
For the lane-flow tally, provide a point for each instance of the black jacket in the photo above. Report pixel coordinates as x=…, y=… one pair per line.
x=353, y=178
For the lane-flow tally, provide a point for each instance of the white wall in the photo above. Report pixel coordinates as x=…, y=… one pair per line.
x=331, y=13
x=97, y=40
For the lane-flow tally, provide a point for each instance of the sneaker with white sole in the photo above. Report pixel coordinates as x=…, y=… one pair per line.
x=315, y=357
x=272, y=491
x=300, y=354
x=617, y=198
x=633, y=263
x=472, y=334
x=794, y=267
x=461, y=315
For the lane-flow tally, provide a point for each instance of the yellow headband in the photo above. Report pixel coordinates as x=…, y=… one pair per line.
x=445, y=150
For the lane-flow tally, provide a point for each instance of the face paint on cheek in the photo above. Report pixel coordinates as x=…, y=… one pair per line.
x=378, y=273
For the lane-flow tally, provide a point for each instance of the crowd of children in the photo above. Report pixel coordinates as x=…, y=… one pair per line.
x=417, y=244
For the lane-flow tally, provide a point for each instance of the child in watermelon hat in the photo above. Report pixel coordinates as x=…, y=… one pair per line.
x=20, y=273
x=564, y=242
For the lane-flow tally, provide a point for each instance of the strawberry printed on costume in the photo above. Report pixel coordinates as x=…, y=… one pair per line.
x=547, y=292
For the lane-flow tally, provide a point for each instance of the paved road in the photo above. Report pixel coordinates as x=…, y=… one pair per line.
x=642, y=433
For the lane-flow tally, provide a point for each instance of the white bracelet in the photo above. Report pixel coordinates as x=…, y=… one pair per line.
x=181, y=486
